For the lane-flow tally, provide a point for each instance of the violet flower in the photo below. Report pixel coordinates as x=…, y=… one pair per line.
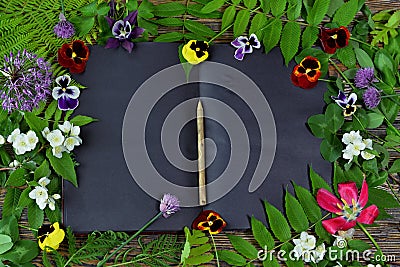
x=245, y=45
x=64, y=29
x=24, y=81
x=67, y=96
x=371, y=97
x=364, y=77
x=346, y=103
x=123, y=31
x=169, y=205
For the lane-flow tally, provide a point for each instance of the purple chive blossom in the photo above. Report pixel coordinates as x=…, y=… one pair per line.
x=169, y=205
x=364, y=77
x=67, y=96
x=24, y=81
x=123, y=31
x=245, y=45
x=371, y=97
x=64, y=28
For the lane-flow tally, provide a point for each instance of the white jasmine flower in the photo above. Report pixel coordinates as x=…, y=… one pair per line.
x=58, y=150
x=13, y=135
x=56, y=196
x=2, y=140
x=318, y=254
x=45, y=132
x=347, y=234
x=20, y=144
x=71, y=142
x=75, y=131
x=368, y=143
x=352, y=137
x=65, y=127
x=32, y=139
x=366, y=155
x=306, y=241
x=51, y=201
x=298, y=251
x=44, y=181
x=40, y=195
x=56, y=138
x=371, y=265
x=357, y=147
x=14, y=164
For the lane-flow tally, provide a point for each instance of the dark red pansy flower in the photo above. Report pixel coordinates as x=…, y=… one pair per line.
x=306, y=74
x=74, y=56
x=209, y=221
x=332, y=39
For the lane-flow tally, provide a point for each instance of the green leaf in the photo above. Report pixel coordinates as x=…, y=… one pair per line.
x=89, y=10
x=240, y=24
x=381, y=198
x=347, y=56
x=195, y=10
x=83, y=25
x=272, y=34
x=9, y=226
x=265, y=5
x=5, y=243
x=259, y=21
x=277, y=223
x=53, y=215
x=308, y=202
x=295, y=213
x=310, y=35
x=148, y=25
x=358, y=245
x=35, y=216
x=24, y=199
x=389, y=109
x=172, y=22
x=196, y=251
x=11, y=202
x=395, y=167
x=169, y=37
x=318, y=182
x=278, y=7
x=50, y=110
x=363, y=58
x=261, y=234
x=250, y=4
x=271, y=261
x=231, y=258
x=200, y=259
x=243, y=247
x=16, y=178
x=198, y=28
x=212, y=6
x=35, y=123
x=331, y=151
x=42, y=171
x=103, y=10
x=317, y=125
x=334, y=5
x=294, y=9
x=333, y=117
x=23, y=251
x=228, y=17
x=171, y=9
x=318, y=11
x=346, y=13
x=321, y=232
x=374, y=120
x=290, y=40
x=63, y=166
x=82, y=120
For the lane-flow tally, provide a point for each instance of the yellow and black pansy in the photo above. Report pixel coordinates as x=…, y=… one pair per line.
x=195, y=51
x=209, y=221
x=50, y=236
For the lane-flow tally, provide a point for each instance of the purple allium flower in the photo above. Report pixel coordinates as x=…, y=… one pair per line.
x=64, y=28
x=371, y=97
x=364, y=77
x=24, y=81
x=245, y=45
x=169, y=205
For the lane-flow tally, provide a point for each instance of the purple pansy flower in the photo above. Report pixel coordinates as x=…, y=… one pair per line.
x=245, y=45
x=346, y=103
x=123, y=31
x=66, y=95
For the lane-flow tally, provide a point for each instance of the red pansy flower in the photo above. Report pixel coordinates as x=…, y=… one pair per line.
x=307, y=73
x=331, y=39
x=210, y=221
x=74, y=56
x=350, y=209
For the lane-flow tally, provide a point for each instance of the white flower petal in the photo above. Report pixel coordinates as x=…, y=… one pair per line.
x=65, y=127
x=57, y=93
x=44, y=181
x=2, y=140
x=56, y=138
x=366, y=155
x=13, y=135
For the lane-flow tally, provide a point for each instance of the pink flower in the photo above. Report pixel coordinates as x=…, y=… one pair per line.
x=350, y=209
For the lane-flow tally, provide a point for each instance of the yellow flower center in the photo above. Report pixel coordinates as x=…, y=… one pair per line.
x=334, y=36
x=73, y=55
x=248, y=43
x=197, y=49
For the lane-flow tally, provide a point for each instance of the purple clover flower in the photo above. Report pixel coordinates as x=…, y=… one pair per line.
x=364, y=77
x=24, y=81
x=64, y=29
x=169, y=205
x=371, y=97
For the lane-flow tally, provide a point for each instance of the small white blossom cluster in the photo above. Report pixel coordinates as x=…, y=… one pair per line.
x=21, y=142
x=305, y=248
x=371, y=265
x=66, y=138
x=2, y=140
x=356, y=145
x=41, y=196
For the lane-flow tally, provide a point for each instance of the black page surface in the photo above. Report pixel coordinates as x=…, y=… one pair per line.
x=108, y=197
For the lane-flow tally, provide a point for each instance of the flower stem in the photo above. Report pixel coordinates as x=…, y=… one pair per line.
x=220, y=33
x=215, y=249
x=28, y=228
x=370, y=237
x=102, y=262
x=364, y=43
x=62, y=7
x=394, y=193
x=342, y=74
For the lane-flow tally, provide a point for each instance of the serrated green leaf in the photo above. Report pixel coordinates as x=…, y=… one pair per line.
x=347, y=56
x=195, y=10
x=334, y=5
x=231, y=258
x=290, y=40
x=395, y=168
x=272, y=34
x=17, y=178
x=295, y=213
x=201, y=259
x=270, y=261
x=261, y=234
x=81, y=120
x=318, y=11
x=308, y=202
x=243, y=247
x=228, y=17
x=24, y=199
x=50, y=110
x=346, y=13
x=63, y=166
x=278, y=7
x=265, y=5
x=148, y=25
x=381, y=198
x=318, y=182
x=257, y=23
x=277, y=222
x=169, y=37
x=35, y=216
x=212, y=6
x=53, y=215
x=241, y=22
x=83, y=25
x=294, y=9
x=172, y=22
x=196, y=251
x=89, y=10
x=198, y=28
x=363, y=58
x=35, y=123
x=358, y=245
x=321, y=232
x=171, y=9
x=42, y=171
x=10, y=203
x=250, y=4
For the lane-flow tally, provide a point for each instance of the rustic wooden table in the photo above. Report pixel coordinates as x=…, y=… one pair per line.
x=387, y=234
